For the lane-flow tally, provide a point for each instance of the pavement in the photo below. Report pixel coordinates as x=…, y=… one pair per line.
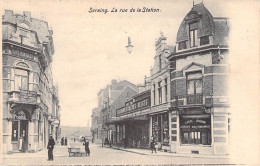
x=109, y=156
x=62, y=151
x=162, y=153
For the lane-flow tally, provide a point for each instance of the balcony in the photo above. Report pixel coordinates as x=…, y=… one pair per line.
x=24, y=97
x=192, y=100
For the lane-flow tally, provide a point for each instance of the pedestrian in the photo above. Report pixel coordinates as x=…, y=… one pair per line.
x=50, y=148
x=66, y=141
x=86, y=143
x=152, y=145
x=62, y=141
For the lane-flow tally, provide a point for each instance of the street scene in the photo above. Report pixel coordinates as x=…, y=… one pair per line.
x=105, y=156
x=145, y=83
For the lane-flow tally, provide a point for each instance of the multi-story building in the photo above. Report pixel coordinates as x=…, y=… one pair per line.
x=160, y=94
x=199, y=116
x=101, y=116
x=30, y=101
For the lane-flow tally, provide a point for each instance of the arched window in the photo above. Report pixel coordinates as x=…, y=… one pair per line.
x=21, y=76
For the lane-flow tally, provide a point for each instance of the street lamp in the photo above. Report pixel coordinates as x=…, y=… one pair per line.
x=129, y=47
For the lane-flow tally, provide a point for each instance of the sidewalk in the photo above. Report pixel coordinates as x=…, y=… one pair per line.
x=161, y=153
x=58, y=151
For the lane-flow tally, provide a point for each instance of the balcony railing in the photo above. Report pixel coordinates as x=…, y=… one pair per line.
x=24, y=96
x=194, y=99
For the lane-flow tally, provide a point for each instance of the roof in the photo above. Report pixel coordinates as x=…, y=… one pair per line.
x=221, y=29
x=198, y=12
x=127, y=93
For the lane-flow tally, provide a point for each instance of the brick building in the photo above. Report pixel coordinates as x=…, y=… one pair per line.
x=199, y=101
x=31, y=110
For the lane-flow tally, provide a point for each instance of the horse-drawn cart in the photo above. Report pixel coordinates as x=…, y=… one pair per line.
x=76, y=152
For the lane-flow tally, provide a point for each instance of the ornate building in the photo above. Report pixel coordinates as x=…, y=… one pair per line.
x=199, y=101
x=160, y=94
x=31, y=110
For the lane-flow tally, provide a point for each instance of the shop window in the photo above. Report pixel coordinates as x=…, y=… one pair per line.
x=14, y=130
x=165, y=127
x=204, y=40
x=182, y=45
x=193, y=34
x=160, y=92
x=21, y=79
x=195, y=130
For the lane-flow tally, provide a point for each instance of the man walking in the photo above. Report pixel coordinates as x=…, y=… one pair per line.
x=50, y=148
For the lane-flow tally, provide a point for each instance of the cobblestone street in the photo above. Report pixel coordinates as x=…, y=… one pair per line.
x=105, y=155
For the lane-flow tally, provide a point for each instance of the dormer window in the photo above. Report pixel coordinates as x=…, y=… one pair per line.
x=193, y=34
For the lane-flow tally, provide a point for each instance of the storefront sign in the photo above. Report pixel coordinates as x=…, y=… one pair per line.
x=195, y=123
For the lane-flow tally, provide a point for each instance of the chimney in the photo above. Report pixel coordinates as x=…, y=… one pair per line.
x=8, y=14
x=27, y=15
x=113, y=82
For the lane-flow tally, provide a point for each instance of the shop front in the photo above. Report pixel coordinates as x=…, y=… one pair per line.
x=195, y=131
x=137, y=133
x=160, y=130
x=19, y=137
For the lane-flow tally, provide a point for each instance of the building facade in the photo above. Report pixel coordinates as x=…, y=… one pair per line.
x=101, y=127
x=199, y=113
x=31, y=110
x=160, y=94
x=132, y=121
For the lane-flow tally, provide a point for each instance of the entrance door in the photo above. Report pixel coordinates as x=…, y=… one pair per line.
x=24, y=133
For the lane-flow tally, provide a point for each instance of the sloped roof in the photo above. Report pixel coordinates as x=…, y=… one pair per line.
x=198, y=12
x=221, y=29
x=128, y=92
x=122, y=84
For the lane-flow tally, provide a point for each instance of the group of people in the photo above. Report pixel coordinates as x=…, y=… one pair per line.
x=51, y=144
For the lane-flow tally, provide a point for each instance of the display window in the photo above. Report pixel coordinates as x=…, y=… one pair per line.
x=160, y=128
x=195, y=129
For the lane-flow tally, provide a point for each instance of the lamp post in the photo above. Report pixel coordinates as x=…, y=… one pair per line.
x=129, y=47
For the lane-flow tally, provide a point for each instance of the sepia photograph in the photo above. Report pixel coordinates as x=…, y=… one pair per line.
x=142, y=82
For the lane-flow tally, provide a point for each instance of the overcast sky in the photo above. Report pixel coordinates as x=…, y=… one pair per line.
x=90, y=47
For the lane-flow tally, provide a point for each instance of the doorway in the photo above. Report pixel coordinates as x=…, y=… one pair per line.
x=20, y=135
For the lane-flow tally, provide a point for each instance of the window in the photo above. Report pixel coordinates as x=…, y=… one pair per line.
x=204, y=40
x=160, y=62
x=21, y=79
x=166, y=90
x=193, y=34
x=194, y=83
x=14, y=130
x=182, y=45
x=160, y=92
x=154, y=94
x=195, y=130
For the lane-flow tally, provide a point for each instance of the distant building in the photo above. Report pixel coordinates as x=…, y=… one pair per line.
x=199, y=113
x=101, y=116
x=31, y=110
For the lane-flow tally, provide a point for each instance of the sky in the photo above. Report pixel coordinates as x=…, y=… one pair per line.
x=90, y=47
